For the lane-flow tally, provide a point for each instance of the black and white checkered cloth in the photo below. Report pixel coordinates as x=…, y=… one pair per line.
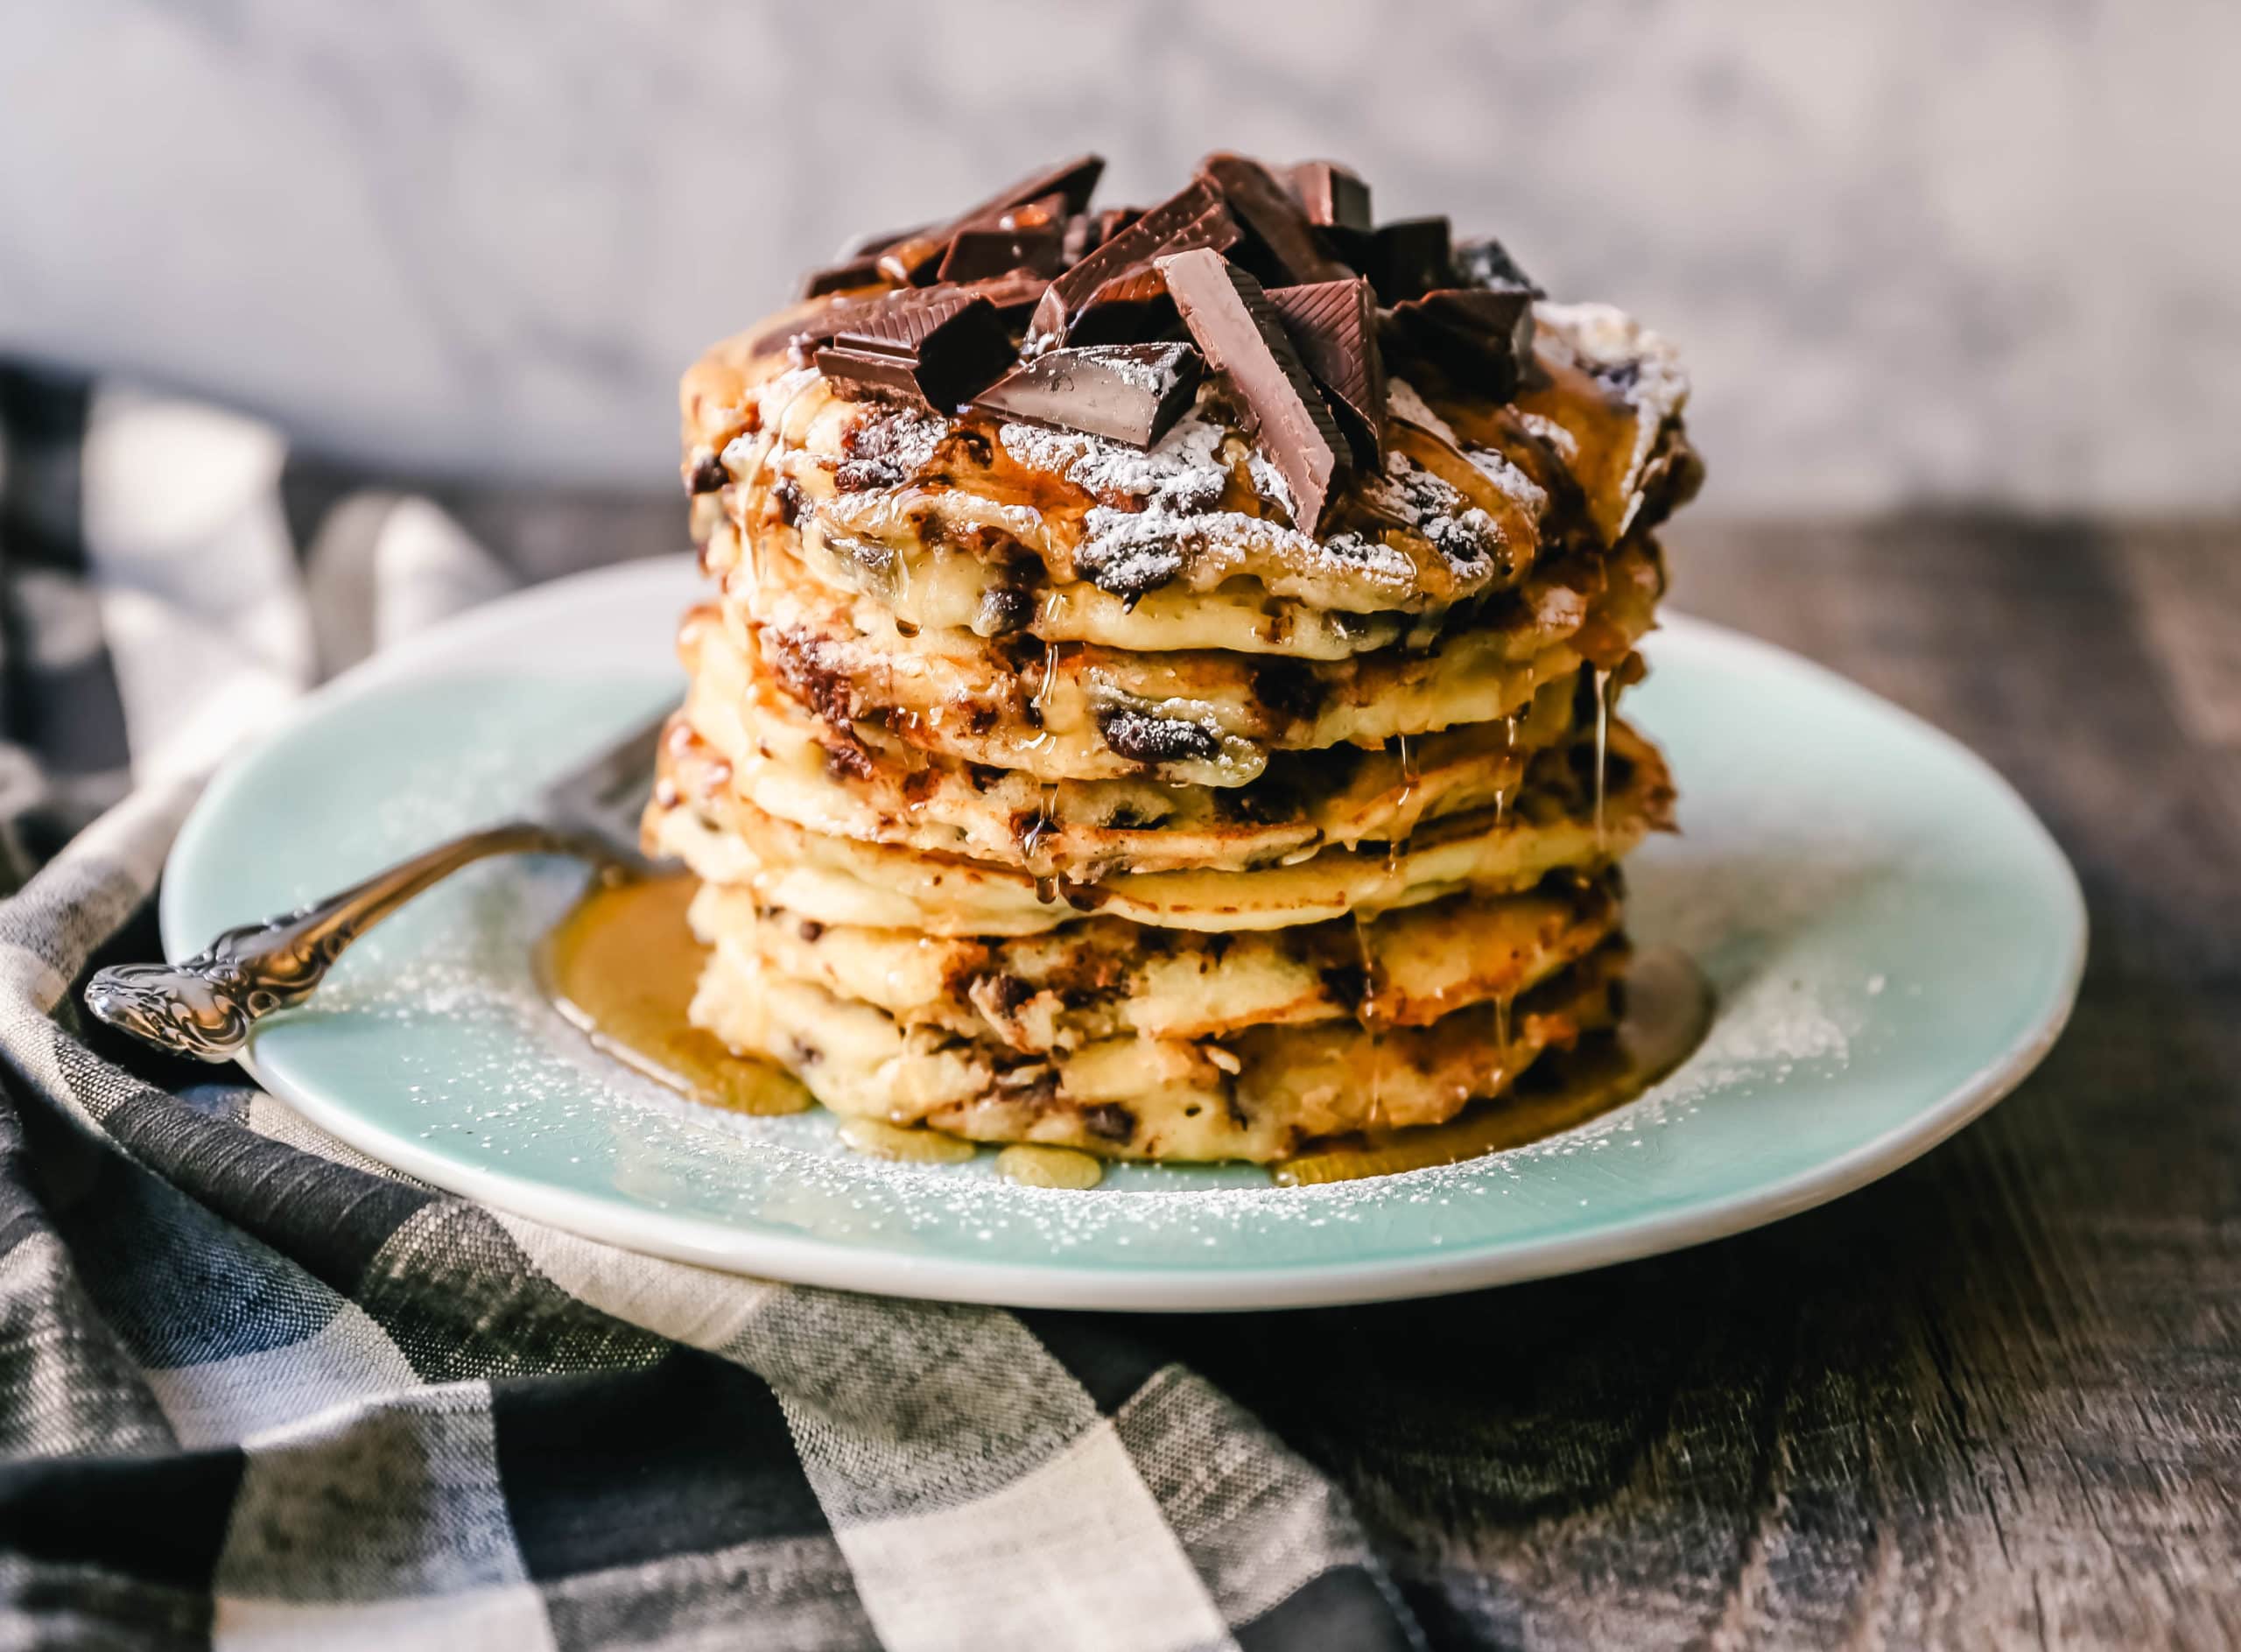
x=257, y=1390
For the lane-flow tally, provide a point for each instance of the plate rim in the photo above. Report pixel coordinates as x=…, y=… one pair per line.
x=1051, y=1283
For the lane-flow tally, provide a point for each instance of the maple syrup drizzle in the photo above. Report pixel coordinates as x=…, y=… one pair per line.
x=1668, y=1010
x=1031, y=1165
x=1605, y=685
x=623, y=966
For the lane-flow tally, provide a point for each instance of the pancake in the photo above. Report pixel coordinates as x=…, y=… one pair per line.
x=1004, y=527
x=1158, y=697
x=1198, y=716
x=697, y=818
x=1103, y=978
x=1259, y=1095
x=860, y=781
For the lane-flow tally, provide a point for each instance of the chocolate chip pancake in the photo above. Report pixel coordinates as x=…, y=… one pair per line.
x=1157, y=695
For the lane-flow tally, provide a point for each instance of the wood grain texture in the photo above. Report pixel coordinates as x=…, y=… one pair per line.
x=1992, y=1401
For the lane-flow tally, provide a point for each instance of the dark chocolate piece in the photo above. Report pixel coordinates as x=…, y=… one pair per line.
x=1486, y=262
x=1193, y=217
x=1281, y=248
x=939, y=347
x=1113, y=220
x=1333, y=325
x=976, y=254
x=1408, y=259
x=836, y=278
x=1237, y=328
x=914, y=258
x=1332, y=196
x=1131, y=393
x=1477, y=336
x=1129, y=309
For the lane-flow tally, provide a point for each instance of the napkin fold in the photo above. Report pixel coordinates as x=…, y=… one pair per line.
x=256, y=1389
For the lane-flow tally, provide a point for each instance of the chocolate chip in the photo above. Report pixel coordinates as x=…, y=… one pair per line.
x=1109, y=1121
x=708, y=475
x=1004, y=610
x=1141, y=737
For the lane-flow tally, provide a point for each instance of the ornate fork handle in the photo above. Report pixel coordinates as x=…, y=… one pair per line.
x=204, y=1005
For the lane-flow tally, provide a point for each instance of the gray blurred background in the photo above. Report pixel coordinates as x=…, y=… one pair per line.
x=1917, y=253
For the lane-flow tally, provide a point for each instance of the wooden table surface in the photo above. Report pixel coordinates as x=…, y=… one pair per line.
x=1994, y=1400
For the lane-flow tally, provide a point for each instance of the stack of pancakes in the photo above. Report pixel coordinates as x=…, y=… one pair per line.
x=1169, y=715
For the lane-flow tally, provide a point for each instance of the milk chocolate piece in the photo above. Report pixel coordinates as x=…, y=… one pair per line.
x=1333, y=325
x=807, y=328
x=1129, y=309
x=1239, y=331
x=1486, y=262
x=1281, y=246
x=1014, y=292
x=937, y=347
x=1193, y=217
x=1332, y=196
x=1113, y=220
x=1477, y=336
x=1408, y=259
x=1128, y=393
x=914, y=257
x=976, y=254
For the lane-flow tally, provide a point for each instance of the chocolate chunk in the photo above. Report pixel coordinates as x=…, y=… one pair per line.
x=974, y=255
x=1333, y=325
x=1014, y=292
x=857, y=272
x=1486, y=262
x=1477, y=336
x=1332, y=196
x=1113, y=220
x=1408, y=259
x=1281, y=246
x=1110, y=1121
x=1129, y=393
x=1129, y=309
x=1237, y=328
x=707, y=475
x=938, y=347
x=1142, y=736
x=1192, y=217
x=804, y=329
x=915, y=258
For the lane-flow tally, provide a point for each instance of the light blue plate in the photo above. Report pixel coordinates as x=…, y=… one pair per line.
x=1895, y=939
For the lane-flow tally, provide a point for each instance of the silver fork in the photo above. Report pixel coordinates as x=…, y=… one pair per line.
x=204, y=1005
